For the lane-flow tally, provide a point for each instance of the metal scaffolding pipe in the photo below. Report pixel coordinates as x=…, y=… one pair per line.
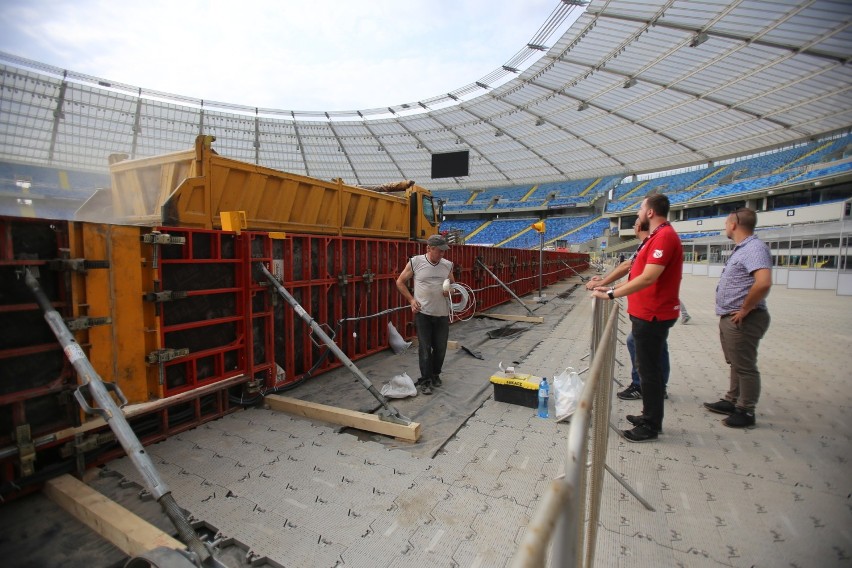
x=113, y=415
x=571, y=268
x=509, y=290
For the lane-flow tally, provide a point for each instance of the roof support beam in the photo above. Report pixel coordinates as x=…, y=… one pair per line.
x=518, y=141
x=340, y=148
x=58, y=115
x=388, y=154
x=300, y=147
x=727, y=35
x=672, y=88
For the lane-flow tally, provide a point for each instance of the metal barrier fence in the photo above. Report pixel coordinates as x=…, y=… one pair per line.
x=576, y=497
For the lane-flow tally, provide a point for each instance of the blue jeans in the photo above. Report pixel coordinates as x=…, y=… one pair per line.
x=432, y=335
x=665, y=365
x=650, y=338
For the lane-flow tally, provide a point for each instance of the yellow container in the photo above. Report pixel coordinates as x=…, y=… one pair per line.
x=520, y=389
x=198, y=188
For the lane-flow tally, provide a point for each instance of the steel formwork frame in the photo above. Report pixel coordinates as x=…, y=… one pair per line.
x=198, y=290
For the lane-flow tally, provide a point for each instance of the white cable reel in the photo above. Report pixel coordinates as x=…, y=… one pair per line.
x=466, y=303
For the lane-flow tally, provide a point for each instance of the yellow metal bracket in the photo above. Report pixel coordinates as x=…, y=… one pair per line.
x=233, y=221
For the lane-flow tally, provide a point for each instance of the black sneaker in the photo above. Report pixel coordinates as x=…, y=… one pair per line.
x=721, y=407
x=741, y=418
x=637, y=420
x=631, y=393
x=639, y=434
x=426, y=387
x=436, y=381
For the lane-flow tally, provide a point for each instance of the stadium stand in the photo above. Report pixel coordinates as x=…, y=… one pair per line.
x=828, y=170
x=558, y=227
x=810, y=161
x=464, y=226
x=740, y=177
x=454, y=197
x=499, y=230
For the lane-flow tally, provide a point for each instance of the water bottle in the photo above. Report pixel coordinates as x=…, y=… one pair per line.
x=543, y=395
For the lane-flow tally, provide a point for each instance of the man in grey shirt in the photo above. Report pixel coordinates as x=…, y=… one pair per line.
x=743, y=317
x=433, y=275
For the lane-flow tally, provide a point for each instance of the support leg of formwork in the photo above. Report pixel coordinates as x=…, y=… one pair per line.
x=388, y=412
x=571, y=268
x=108, y=410
x=509, y=290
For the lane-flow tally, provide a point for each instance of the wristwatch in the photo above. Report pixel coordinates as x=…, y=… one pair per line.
x=611, y=293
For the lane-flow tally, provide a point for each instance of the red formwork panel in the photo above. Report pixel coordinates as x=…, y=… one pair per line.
x=260, y=356
x=211, y=319
x=348, y=286
x=225, y=318
x=35, y=376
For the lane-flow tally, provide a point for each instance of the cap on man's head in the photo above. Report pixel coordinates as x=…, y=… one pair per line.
x=438, y=242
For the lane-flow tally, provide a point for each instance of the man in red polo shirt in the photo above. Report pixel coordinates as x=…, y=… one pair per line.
x=652, y=291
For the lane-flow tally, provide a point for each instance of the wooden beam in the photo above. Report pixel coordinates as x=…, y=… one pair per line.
x=145, y=407
x=344, y=417
x=510, y=317
x=124, y=529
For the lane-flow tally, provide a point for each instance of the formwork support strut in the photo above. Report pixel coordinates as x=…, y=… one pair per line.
x=509, y=290
x=387, y=412
x=114, y=416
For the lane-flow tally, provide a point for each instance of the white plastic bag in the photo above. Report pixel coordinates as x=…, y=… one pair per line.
x=397, y=343
x=401, y=386
x=567, y=387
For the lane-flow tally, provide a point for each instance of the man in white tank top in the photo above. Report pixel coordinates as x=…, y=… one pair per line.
x=430, y=304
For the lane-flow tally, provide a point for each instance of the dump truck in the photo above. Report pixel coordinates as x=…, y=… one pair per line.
x=198, y=188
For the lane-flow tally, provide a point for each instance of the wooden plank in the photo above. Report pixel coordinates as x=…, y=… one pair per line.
x=142, y=408
x=124, y=529
x=344, y=417
x=510, y=317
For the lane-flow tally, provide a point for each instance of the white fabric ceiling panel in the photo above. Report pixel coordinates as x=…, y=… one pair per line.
x=828, y=123
x=708, y=79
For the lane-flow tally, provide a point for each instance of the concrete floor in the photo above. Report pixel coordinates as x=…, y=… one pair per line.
x=300, y=494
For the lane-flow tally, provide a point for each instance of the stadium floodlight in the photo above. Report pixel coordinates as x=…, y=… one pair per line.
x=698, y=39
x=583, y=106
x=629, y=83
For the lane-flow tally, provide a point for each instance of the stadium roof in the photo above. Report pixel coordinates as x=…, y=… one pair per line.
x=631, y=87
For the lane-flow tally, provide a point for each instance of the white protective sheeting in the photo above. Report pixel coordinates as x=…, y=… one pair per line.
x=661, y=84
